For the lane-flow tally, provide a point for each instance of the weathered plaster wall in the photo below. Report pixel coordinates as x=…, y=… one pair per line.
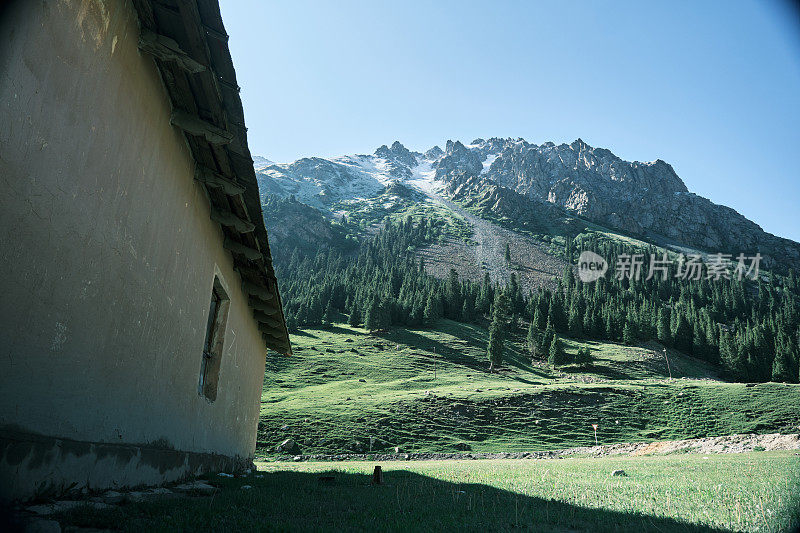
x=108, y=258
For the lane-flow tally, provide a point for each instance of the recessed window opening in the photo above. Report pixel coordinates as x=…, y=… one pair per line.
x=214, y=341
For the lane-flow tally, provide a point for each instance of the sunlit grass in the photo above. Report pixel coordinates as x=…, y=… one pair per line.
x=429, y=390
x=736, y=492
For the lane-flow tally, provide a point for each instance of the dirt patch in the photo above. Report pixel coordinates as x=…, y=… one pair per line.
x=534, y=267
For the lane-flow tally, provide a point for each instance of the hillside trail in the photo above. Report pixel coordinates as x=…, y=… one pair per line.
x=533, y=266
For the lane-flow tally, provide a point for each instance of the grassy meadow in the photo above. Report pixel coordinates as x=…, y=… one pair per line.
x=347, y=391
x=728, y=492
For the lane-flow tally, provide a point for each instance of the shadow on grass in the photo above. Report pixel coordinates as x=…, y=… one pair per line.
x=453, y=355
x=473, y=337
x=407, y=501
x=301, y=333
x=512, y=357
x=344, y=331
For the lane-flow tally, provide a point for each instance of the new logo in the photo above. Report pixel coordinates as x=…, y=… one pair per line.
x=591, y=267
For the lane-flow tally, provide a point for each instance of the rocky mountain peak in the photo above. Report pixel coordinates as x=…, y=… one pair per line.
x=434, y=153
x=644, y=199
x=458, y=159
x=579, y=144
x=398, y=154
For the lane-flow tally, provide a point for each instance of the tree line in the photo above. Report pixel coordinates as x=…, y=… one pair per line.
x=749, y=328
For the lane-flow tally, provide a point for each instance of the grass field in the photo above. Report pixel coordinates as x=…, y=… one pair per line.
x=733, y=492
x=428, y=390
x=346, y=391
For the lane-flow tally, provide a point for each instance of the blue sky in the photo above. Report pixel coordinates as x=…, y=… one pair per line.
x=711, y=87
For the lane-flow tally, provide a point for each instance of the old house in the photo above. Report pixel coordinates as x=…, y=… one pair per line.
x=139, y=298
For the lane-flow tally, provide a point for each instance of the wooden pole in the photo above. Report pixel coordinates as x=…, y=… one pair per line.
x=377, y=476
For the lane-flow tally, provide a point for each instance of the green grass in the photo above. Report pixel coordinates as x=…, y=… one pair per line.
x=736, y=492
x=429, y=391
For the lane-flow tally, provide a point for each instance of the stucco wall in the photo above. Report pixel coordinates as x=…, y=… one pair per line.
x=108, y=255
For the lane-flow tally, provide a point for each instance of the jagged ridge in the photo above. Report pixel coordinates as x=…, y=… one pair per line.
x=647, y=200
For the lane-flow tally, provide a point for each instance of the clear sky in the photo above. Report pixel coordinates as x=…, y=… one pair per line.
x=711, y=87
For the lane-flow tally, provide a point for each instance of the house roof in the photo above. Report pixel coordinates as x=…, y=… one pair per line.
x=188, y=43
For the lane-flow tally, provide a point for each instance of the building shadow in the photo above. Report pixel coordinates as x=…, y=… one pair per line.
x=340, y=501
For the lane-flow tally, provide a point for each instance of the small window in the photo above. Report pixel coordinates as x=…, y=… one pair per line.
x=214, y=341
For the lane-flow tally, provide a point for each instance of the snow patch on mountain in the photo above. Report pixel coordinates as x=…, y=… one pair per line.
x=322, y=182
x=488, y=162
x=423, y=177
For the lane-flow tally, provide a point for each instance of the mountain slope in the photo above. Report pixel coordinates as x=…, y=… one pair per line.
x=647, y=200
x=540, y=187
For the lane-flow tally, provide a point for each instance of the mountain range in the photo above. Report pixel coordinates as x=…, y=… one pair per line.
x=647, y=201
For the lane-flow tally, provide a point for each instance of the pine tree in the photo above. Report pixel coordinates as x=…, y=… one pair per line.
x=355, y=317
x=784, y=365
x=588, y=324
x=568, y=278
x=467, y=311
x=730, y=355
x=662, y=329
x=575, y=323
x=539, y=320
x=508, y=254
x=556, y=316
x=385, y=316
x=453, y=295
x=500, y=310
x=494, y=351
x=514, y=295
x=547, y=338
x=433, y=309
x=699, y=346
x=291, y=322
x=682, y=334
x=556, y=352
x=611, y=334
x=485, y=295
x=781, y=366
x=532, y=340
x=628, y=336
x=371, y=320
x=329, y=315
x=583, y=357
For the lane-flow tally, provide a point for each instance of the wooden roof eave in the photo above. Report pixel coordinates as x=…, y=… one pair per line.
x=189, y=45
